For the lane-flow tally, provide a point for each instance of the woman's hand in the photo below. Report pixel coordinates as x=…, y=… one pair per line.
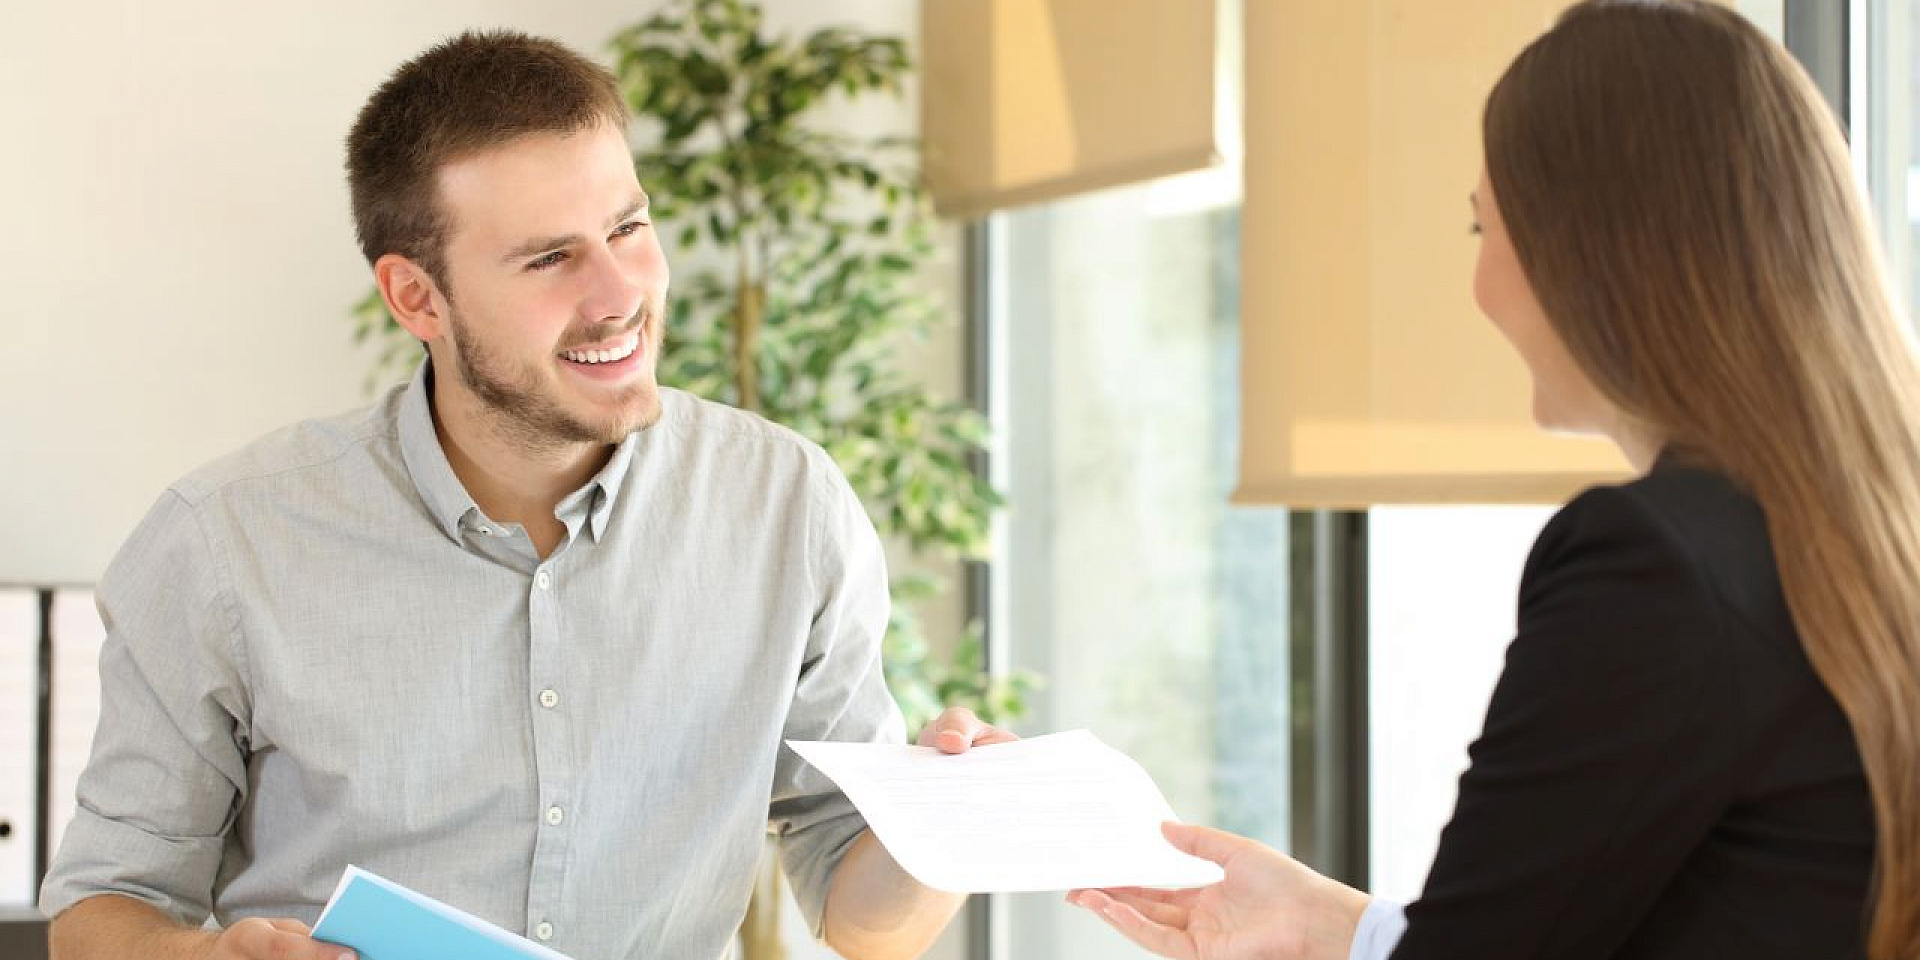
x=1269, y=907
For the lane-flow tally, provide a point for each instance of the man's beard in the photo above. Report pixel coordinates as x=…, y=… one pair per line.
x=537, y=421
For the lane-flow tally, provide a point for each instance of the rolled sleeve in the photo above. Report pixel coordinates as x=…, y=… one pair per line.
x=841, y=695
x=160, y=791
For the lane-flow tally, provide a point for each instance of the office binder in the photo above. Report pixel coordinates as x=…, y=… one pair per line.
x=77, y=636
x=20, y=636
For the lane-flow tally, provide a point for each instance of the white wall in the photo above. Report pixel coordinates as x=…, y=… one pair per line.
x=177, y=257
x=176, y=253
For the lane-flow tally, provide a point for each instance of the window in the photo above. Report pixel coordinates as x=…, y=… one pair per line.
x=1887, y=133
x=1442, y=583
x=1157, y=611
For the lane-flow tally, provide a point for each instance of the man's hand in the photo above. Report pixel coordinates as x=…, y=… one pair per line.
x=957, y=730
x=112, y=927
x=875, y=910
x=273, y=940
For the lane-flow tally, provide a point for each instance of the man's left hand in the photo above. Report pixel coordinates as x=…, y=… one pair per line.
x=957, y=730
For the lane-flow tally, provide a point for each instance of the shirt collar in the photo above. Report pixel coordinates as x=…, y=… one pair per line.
x=606, y=485
x=449, y=501
x=426, y=461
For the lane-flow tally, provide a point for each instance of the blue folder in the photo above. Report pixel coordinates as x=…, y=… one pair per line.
x=382, y=920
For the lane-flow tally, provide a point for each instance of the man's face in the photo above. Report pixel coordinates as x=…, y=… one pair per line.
x=557, y=288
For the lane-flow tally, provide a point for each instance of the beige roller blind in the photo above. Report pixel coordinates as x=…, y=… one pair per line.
x=1368, y=376
x=1031, y=100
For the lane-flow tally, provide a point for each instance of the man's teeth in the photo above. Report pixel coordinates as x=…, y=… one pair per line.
x=603, y=356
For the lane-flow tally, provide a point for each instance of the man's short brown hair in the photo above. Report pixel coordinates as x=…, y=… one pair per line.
x=467, y=94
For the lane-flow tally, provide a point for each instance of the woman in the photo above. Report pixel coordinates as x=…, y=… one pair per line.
x=1706, y=740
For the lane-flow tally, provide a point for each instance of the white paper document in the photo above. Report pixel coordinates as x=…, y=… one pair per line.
x=1051, y=813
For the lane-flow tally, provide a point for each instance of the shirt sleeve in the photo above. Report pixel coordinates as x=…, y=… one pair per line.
x=1609, y=749
x=841, y=695
x=167, y=773
x=1381, y=925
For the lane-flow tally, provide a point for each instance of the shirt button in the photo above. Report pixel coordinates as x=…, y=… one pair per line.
x=486, y=531
x=544, y=931
x=549, y=699
x=541, y=580
x=555, y=815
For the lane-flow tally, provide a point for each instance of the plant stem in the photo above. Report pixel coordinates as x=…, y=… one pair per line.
x=749, y=290
x=749, y=302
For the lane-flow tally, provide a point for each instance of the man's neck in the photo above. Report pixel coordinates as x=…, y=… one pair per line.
x=510, y=480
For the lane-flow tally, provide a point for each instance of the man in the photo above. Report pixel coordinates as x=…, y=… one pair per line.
x=528, y=634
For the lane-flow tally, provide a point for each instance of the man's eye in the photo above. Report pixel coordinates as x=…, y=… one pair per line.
x=549, y=260
x=629, y=228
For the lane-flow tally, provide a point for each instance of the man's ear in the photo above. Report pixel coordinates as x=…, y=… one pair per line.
x=412, y=296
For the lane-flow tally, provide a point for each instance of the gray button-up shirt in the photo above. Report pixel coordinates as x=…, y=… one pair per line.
x=321, y=652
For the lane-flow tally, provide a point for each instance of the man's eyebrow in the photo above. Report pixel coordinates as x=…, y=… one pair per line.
x=634, y=206
x=543, y=244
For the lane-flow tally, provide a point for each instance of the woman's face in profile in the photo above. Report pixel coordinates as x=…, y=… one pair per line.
x=1563, y=398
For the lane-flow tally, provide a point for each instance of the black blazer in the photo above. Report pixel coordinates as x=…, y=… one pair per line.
x=1661, y=774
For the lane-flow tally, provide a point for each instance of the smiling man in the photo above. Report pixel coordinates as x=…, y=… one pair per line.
x=528, y=634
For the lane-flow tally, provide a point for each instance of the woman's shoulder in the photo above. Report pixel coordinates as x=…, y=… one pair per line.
x=1688, y=507
x=1682, y=537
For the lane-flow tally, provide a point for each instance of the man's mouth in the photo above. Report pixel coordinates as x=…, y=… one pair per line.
x=612, y=351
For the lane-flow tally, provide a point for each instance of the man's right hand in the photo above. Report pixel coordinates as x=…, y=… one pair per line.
x=111, y=927
x=258, y=939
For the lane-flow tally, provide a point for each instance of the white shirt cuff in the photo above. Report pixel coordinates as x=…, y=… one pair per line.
x=1379, y=930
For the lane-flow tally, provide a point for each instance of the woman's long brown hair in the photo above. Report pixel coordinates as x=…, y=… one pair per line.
x=1683, y=203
